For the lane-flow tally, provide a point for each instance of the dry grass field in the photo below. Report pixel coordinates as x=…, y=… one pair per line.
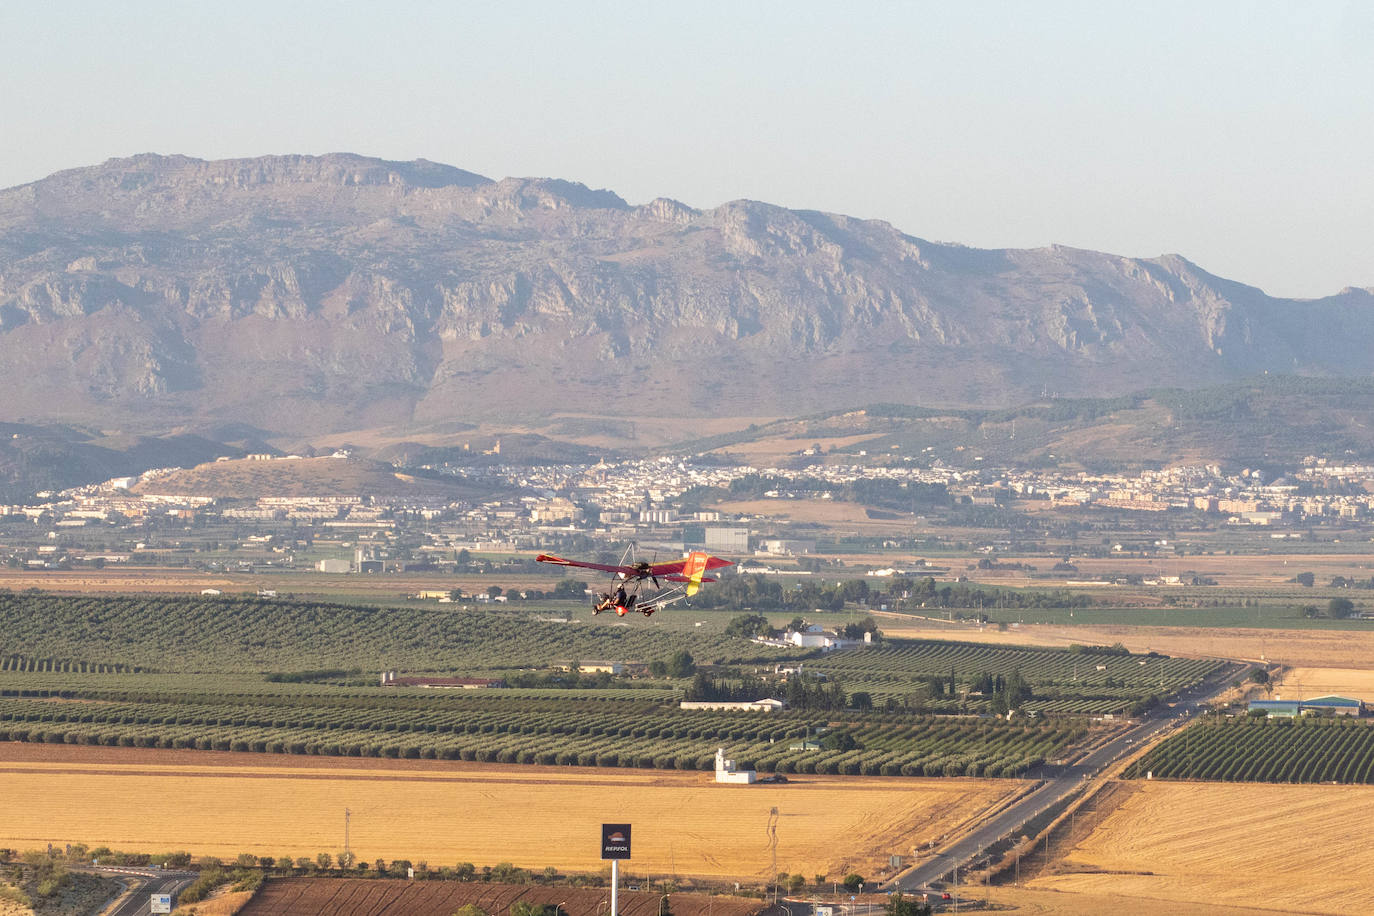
x=1303, y=649
x=830, y=513
x=391, y=588
x=141, y=580
x=1292, y=849
x=226, y=903
x=445, y=813
x=1305, y=683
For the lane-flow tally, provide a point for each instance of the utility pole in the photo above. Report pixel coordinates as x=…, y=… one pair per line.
x=347, y=815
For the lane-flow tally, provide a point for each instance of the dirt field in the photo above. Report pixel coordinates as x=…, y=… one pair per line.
x=1294, y=849
x=826, y=512
x=340, y=896
x=447, y=812
x=391, y=588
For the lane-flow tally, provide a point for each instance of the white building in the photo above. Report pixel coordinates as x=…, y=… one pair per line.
x=726, y=772
x=727, y=540
x=764, y=705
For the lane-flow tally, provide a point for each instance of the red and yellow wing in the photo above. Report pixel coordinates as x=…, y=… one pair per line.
x=559, y=561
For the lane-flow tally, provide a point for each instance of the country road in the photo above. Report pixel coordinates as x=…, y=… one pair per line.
x=154, y=881
x=1057, y=787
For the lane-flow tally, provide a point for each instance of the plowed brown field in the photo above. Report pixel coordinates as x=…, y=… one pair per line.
x=340, y=896
x=449, y=812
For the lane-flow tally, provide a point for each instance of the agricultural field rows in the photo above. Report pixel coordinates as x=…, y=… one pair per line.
x=225, y=635
x=288, y=896
x=1064, y=682
x=1303, y=750
x=499, y=729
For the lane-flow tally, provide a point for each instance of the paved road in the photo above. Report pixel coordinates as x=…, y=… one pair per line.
x=1055, y=788
x=154, y=882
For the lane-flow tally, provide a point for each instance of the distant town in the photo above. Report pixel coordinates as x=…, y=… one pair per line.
x=667, y=502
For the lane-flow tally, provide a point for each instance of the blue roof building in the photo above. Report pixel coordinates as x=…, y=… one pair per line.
x=1317, y=706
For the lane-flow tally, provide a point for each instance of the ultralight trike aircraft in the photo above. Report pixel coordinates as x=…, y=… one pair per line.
x=627, y=578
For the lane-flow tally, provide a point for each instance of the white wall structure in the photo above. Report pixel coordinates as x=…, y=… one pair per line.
x=726, y=772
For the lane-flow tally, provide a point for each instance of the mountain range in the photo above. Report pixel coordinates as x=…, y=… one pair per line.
x=307, y=296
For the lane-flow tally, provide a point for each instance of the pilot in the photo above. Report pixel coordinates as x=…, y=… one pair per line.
x=622, y=600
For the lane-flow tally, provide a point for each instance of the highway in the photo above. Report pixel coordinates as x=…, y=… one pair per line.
x=154, y=882
x=1055, y=788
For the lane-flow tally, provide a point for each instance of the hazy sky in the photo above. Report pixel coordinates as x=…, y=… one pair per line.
x=1239, y=134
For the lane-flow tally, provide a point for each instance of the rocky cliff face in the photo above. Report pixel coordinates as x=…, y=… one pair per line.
x=311, y=294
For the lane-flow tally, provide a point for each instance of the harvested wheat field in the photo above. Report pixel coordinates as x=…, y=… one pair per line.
x=449, y=812
x=1351, y=649
x=340, y=896
x=139, y=580
x=1294, y=849
x=1305, y=683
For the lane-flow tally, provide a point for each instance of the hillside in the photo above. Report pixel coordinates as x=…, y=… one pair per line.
x=1272, y=422
x=312, y=295
x=318, y=477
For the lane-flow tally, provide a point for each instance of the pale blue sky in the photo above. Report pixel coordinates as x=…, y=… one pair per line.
x=1239, y=134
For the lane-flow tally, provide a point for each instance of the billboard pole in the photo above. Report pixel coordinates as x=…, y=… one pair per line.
x=615, y=845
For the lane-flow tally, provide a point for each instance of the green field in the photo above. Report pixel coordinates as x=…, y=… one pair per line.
x=1245, y=749
x=586, y=728
x=206, y=673
x=1063, y=681
x=240, y=635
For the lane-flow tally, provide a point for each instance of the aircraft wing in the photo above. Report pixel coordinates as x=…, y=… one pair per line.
x=679, y=567
x=559, y=561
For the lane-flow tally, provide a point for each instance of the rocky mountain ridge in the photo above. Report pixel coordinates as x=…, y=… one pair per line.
x=308, y=295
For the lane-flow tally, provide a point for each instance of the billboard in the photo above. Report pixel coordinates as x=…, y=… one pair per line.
x=160, y=903
x=615, y=841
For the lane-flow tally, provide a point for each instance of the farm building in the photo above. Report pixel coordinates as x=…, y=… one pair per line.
x=765, y=705
x=1317, y=706
x=389, y=679
x=726, y=771
x=1334, y=706
x=616, y=668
